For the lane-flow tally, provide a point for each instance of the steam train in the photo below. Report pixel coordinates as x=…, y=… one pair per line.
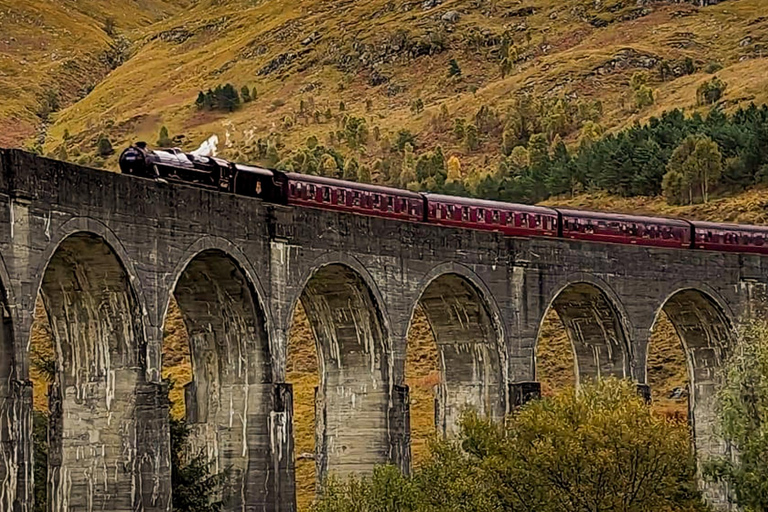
x=507, y=218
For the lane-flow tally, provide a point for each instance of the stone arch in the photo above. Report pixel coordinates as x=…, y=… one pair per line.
x=231, y=395
x=466, y=325
x=595, y=325
x=703, y=323
x=10, y=405
x=97, y=324
x=353, y=411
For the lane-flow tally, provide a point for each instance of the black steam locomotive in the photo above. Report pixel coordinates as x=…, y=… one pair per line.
x=204, y=171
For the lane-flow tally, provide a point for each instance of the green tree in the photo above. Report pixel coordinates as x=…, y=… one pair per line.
x=104, y=146
x=328, y=166
x=408, y=170
x=459, y=125
x=710, y=91
x=743, y=420
x=364, y=174
x=163, y=140
x=195, y=486
x=351, y=169
x=453, y=68
x=405, y=137
x=245, y=94
x=417, y=106
x=694, y=168
x=228, y=98
x=644, y=97
x=471, y=138
x=601, y=449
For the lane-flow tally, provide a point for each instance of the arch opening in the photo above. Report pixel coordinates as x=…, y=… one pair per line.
x=468, y=344
x=555, y=360
x=228, y=393
x=352, y=399
x=96, y=366
x=423, y=378
x=706, y=333
x=594, y=329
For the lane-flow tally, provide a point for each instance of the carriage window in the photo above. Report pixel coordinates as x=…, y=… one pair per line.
x=465, y=213
x=356, y=199
x=480, y=215
x=496, y=216
x=312, y=190
x=326, y=194
x=390, y=203
x=376, y=200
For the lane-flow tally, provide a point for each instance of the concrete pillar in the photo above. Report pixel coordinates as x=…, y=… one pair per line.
x=400, y=428
x=153, y=446
x=283, y=475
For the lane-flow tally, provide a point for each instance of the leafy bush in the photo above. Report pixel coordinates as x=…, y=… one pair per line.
x=743, y=419
x=711, y=91
x=104, y=146
x=601, y=449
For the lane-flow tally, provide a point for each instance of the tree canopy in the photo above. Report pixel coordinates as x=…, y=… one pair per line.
x=601, y=449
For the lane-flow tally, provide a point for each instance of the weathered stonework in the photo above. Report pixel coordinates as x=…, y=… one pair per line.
x=107, y=252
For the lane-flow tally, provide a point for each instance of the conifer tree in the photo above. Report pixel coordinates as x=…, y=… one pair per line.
x=163, y=140
x=453, y=68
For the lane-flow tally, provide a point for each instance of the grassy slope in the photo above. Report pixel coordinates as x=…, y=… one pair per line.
x=233, y=42
x=58, y=46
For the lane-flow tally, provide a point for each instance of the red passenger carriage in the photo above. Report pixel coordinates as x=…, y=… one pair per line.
x=332, y=194
x=508, y=218
x=625, y=229
x=712, y=236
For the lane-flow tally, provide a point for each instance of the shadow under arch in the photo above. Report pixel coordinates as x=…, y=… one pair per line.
x=10, y=412
x=703, y=324
x=595, y=328
x=467, y=328
x=100, y=358
x=231, y=394
x=353, y=410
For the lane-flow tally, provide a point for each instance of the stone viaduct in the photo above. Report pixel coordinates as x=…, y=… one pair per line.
x=106, y=252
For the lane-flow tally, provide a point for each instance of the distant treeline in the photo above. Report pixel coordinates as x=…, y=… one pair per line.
x=635, y=161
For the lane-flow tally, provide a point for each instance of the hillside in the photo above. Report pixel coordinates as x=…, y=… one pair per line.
x=364, y=79
x=305, y=58
x=53, y=53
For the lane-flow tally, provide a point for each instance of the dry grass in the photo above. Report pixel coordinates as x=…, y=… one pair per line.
x=233, y=41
